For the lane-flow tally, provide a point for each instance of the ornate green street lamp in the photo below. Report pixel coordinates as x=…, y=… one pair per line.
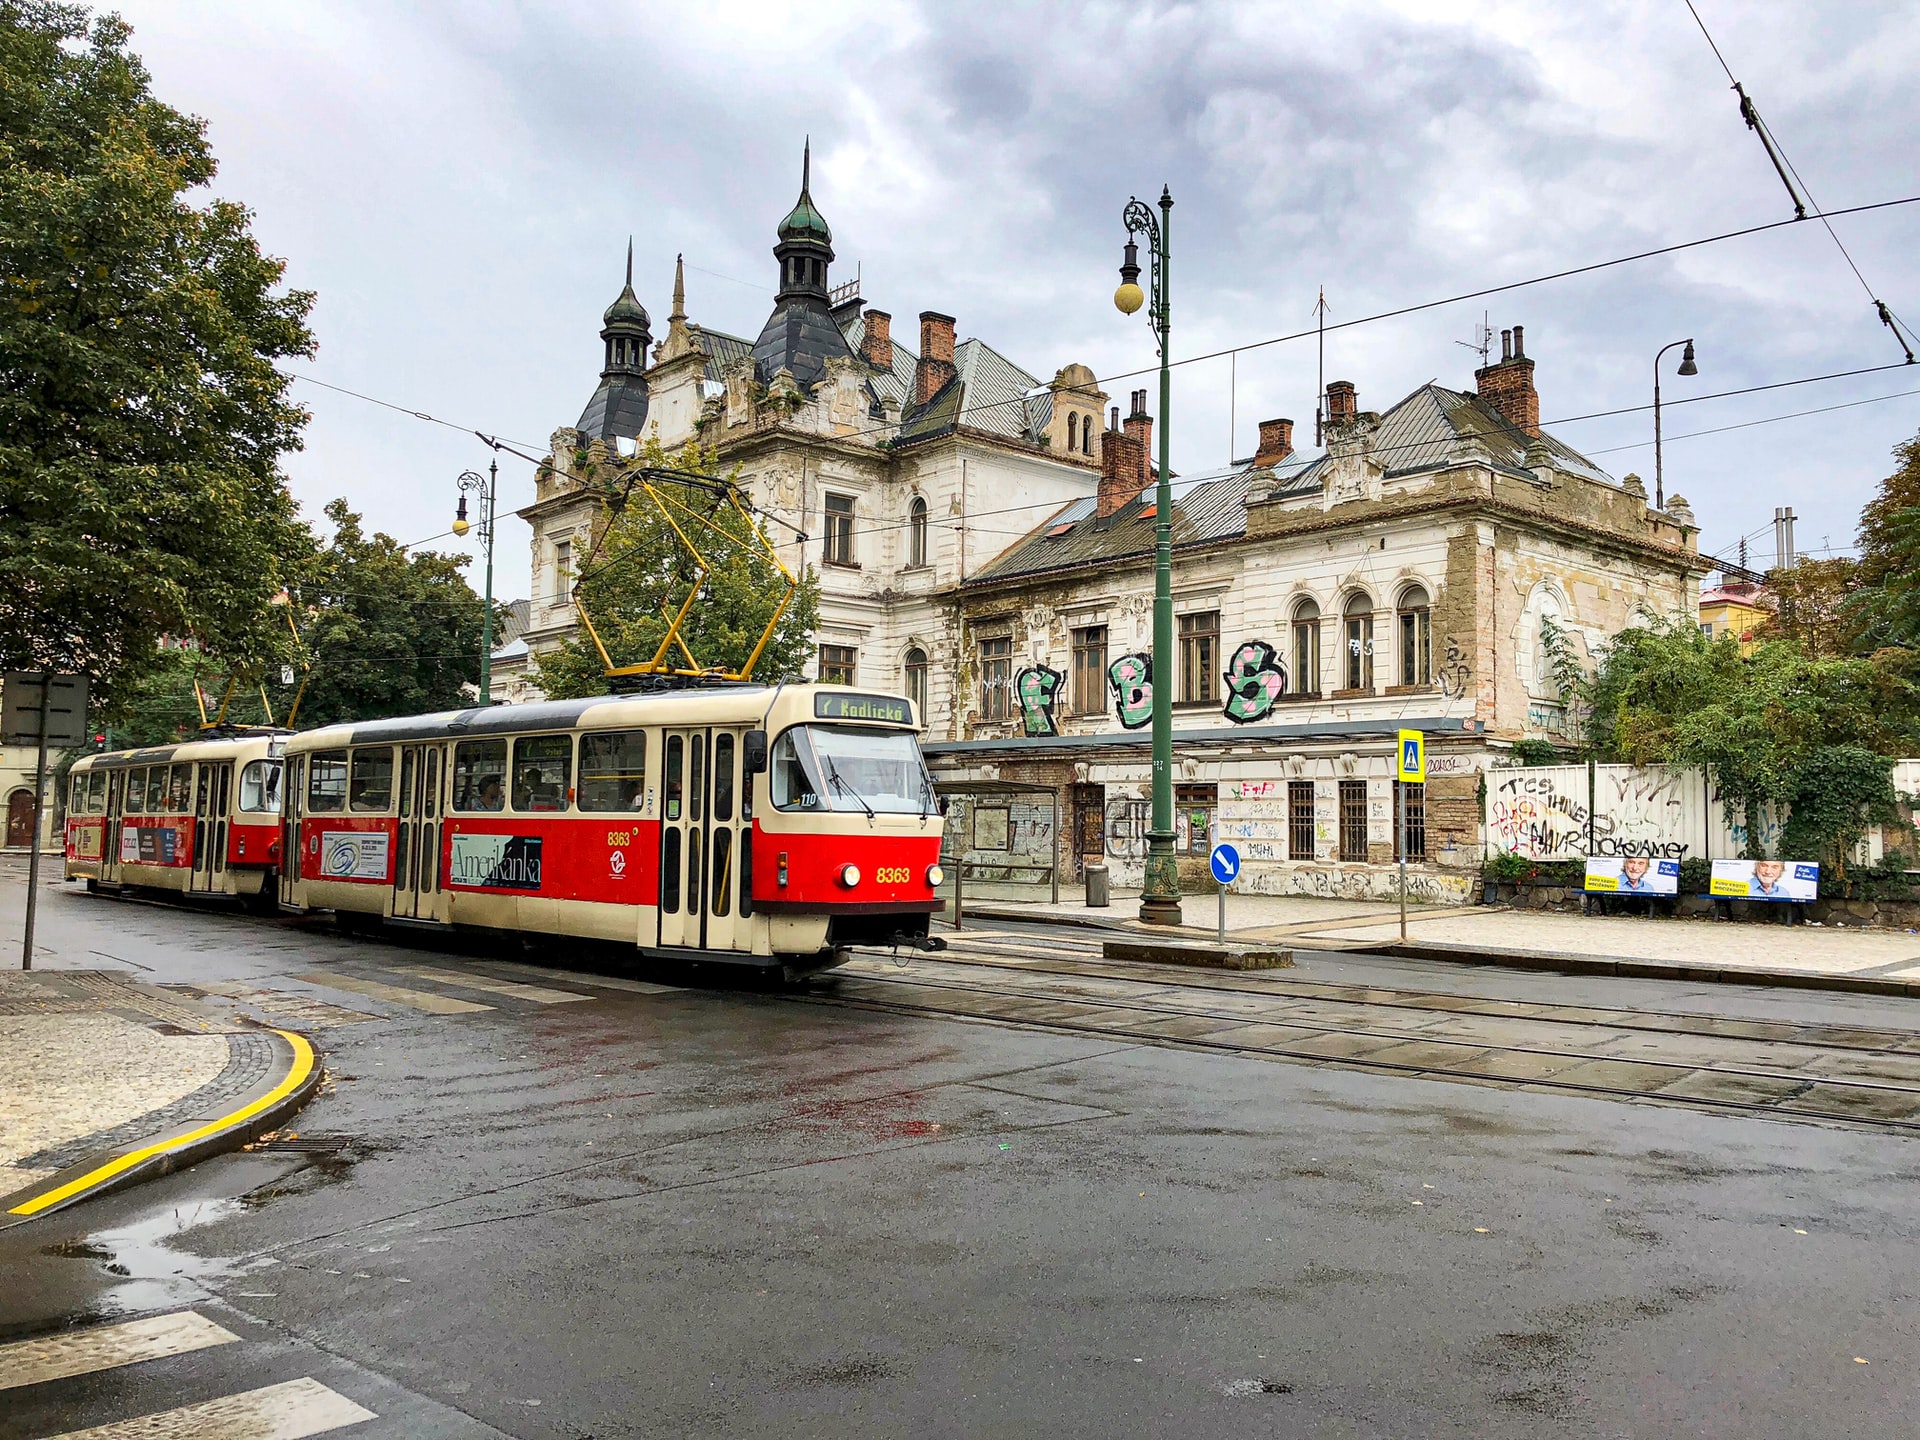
x=484, y=486
x=1160, y=891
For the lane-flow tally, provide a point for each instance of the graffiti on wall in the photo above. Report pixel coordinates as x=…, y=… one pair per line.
x=1543, y=813
x=1531, y=815
x=1131, y=679
x=1453, y=672
x=1035, y=688
x=1128, y=819
x=1255, y=682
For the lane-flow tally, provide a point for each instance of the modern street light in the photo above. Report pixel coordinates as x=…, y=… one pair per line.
x=1160, y=890
x=1687, y=367
x=485, y=487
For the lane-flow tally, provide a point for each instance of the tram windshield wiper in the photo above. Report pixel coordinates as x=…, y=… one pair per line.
x=929, y=802
x=842, y=787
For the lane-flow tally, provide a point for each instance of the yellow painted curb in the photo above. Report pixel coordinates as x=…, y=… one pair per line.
x=302, y=1067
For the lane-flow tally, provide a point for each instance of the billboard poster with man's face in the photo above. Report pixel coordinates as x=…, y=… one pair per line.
x=1795, y=880
x=1632, y=875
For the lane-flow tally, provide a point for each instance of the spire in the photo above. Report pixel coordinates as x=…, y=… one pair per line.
x=806, y=164
x=629, y=262
x=679, y=339
x=679, y=311
x=804, y=222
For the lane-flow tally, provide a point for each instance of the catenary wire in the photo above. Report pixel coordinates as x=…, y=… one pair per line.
x=1749, y=424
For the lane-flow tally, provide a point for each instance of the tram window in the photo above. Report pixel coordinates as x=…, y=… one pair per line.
x=793, y=771
x=613, y=771
x=542, y=770
x=136, y=792
x=180, y=790
x=670, y=872
x=722, y=781
x=260, y=786
x=693, y=871
x=327, y=781
x=722, y=870
x=672, y=791
x=480, y=775
x=696, y=787
x=430, y=784
x=96, y=792
x=372, y=785
x=77, y=796
x=296, y=769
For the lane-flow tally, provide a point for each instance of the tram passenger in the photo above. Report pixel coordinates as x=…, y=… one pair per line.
x=493, y=795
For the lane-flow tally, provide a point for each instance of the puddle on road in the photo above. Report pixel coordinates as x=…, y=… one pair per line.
x=153, y=1274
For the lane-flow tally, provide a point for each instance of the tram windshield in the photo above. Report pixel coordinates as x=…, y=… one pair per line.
x=828, y=767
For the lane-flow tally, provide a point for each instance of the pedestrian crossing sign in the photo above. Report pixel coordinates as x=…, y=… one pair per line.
x=1413, y=757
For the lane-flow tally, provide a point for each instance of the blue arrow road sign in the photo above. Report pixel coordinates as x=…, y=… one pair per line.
x=1226, y=864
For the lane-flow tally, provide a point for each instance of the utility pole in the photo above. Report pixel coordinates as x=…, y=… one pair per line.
x=1160, y=889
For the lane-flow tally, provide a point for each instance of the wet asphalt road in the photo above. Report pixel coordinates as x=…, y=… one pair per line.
x=724, y=1212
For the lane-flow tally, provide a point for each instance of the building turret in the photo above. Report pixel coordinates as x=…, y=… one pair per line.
x=800, y=336
x=618, y=409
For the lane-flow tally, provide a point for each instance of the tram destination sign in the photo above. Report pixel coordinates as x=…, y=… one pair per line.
x=885, y=709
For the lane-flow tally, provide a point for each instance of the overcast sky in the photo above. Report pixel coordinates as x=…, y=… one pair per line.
x=458, y=182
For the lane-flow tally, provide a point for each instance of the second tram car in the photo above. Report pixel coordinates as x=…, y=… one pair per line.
x=764, y=825
x=200, y=818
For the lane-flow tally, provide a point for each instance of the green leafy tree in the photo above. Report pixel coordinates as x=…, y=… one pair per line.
x=1817, y=605
x=1885, y=610
x=1813, y=736
x=641, y=572
x=141, y=415
x=388, y=632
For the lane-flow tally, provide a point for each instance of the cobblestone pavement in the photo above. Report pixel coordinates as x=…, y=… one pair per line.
x=90, y=1060
x=1303, y=919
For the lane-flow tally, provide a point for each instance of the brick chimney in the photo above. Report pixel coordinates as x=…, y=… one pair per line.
x=877, y=344
x=1343, y=402
x=1123, y=458
x=935, y=368
x=1508, y=386
x=1276, y=442
x=1140, y=426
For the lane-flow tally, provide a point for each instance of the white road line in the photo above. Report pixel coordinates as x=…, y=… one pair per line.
x=279, y=1412
x=414, y=999
x=468, y=980
x=102, y=1347
x=587, y=977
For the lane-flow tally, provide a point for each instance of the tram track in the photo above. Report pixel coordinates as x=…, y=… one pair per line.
x=1808, y=1073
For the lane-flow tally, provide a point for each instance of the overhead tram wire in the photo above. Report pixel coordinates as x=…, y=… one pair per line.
x=1749, y=424
x=1414, y=309
x=1778, y=155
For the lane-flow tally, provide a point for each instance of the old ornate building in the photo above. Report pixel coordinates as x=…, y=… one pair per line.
x=909, y=468
x=984, y=543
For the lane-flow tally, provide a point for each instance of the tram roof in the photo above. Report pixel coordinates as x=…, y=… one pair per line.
x=214, y=747
x=732, y=703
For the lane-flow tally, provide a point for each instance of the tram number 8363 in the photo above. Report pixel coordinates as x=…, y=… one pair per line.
x=892, y=876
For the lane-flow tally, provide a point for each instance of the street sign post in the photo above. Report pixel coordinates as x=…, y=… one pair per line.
x=40, y=709
x=1413, y=771
x=1225, y=863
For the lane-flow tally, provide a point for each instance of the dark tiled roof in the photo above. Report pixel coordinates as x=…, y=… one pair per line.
x=1206, y=507
x=800, y=335
x=618, y=408
x=1435, y=428
x=721, y=348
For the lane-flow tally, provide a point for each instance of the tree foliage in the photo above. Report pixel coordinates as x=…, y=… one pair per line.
x=1811, y=735
x=388, y=632
x=641, y=571
x=141, y=414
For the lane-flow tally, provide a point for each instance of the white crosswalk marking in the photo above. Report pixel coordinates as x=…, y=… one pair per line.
x=289, y=1411
x=393, y=994
x=102, y=1347
x=467, y=979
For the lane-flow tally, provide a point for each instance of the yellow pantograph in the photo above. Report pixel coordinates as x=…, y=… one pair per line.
x=680, y=517
x=233, y=680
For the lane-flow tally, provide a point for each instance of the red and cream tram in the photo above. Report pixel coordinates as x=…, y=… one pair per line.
x=768, y=825
x=201, y=817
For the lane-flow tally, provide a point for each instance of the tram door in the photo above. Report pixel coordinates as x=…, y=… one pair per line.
x=110, y=832
x=293, y=794
x=703, y=820
x=212, y=794
x=416, y=856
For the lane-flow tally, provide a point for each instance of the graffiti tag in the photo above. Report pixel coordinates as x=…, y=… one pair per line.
x=1131, y=677
x=1036, y=688
x=1254, y=682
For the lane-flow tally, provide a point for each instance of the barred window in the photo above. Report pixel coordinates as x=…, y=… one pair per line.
x=1353, y=820
x=1300, y=820
x=1416, y=820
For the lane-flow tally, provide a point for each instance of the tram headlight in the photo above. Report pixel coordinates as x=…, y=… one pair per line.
x=934, y=876
x=850, y=876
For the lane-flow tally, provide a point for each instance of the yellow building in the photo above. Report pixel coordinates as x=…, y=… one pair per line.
x=1737, y=608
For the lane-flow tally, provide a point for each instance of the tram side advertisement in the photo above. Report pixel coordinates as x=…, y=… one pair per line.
x=167, y=843
x=610, y=860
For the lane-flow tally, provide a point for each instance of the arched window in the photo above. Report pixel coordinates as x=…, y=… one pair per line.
x=914, y=671
x=1306, y=647
x=1356, y=658
x=1073, y=433
x=1416, y=637
x=917, y=531
x=1086, y=436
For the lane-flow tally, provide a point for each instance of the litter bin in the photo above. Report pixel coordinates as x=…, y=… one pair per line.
x=1097, y=896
